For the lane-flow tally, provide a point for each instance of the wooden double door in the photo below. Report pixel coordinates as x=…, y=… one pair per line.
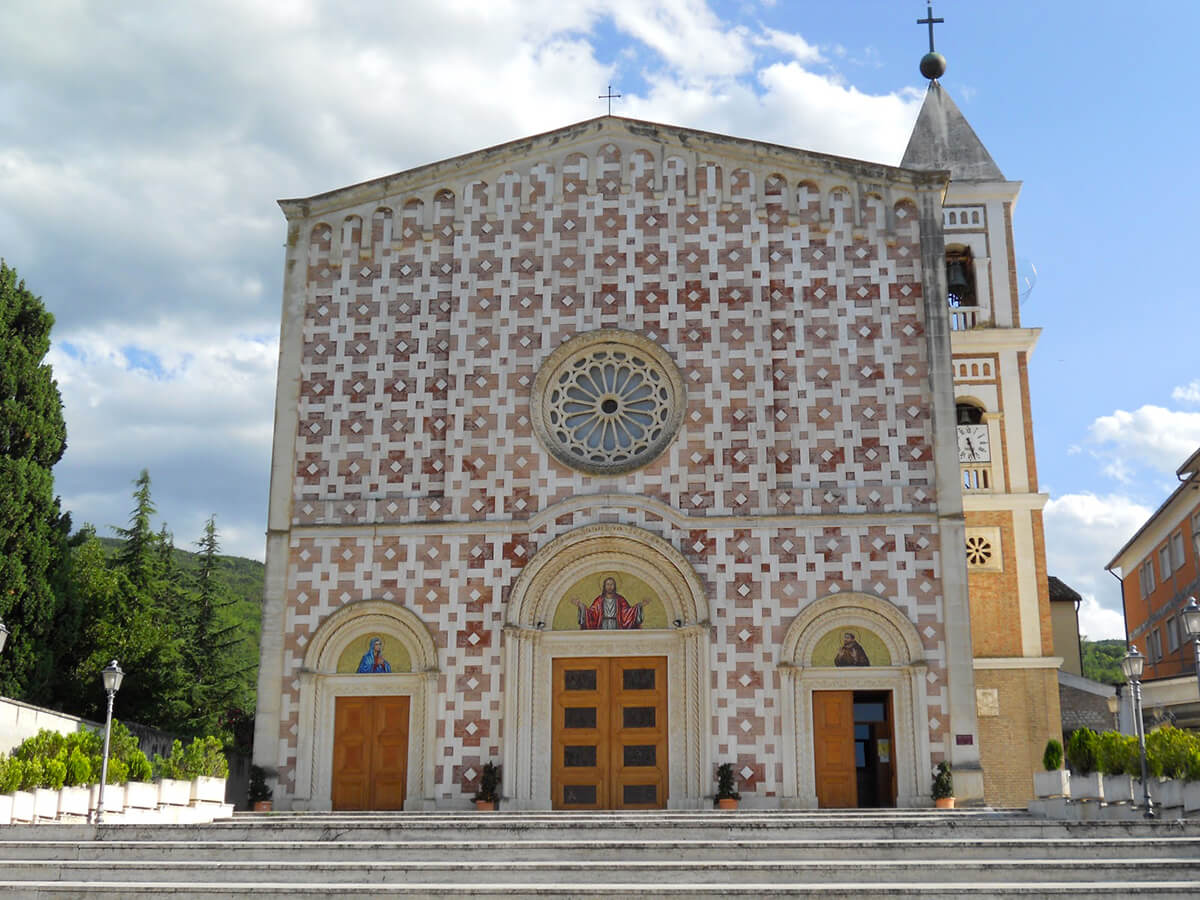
x=370, y=752
x=609, y=735
x=854, y=749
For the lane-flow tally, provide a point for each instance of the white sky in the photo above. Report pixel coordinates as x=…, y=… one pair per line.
x=143, y=145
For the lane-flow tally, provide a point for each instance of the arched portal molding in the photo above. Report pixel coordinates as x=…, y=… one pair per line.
x=321, y=685
x=880, y=616
x=555, y=567
x=356, y=620
x=904, y=679
x=530, y=652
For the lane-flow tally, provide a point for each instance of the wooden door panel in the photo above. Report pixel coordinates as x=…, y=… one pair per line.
x=609, y=734
x=639, y=746
x=833, y=749
x=351, y=753
x=370, y=752
x=389, y=769
x=579, y=736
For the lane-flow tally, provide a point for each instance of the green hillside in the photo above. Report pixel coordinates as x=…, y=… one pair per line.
x=244, y=577
x=1102, y=660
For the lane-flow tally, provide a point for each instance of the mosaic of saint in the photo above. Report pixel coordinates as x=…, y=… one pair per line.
x=610, y=601
x=850, y=646
x=375, y=654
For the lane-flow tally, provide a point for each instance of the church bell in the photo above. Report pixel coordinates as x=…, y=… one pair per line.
x=957, y=280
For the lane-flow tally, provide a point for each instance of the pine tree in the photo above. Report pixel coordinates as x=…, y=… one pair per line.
x=223, y=677
x=33, y=529
x=137, y=556
x=128, y=619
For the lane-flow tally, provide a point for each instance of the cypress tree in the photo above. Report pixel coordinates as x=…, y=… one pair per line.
x=33, y=529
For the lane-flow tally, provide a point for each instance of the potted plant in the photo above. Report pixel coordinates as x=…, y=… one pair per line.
x=486, y=797
x=204, y=762
x=1081, y=754
x=1055, y=781
x=1117, y=757
x=174, y=786
x=259, y=794
x=727, y=796
x=943, y=787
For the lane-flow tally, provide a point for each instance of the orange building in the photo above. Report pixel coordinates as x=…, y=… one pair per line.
x=1159, y=568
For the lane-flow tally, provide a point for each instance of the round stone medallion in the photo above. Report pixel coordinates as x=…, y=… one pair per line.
x=607, y=402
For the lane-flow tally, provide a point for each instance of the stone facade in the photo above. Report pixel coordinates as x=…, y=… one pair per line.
x=813, y=480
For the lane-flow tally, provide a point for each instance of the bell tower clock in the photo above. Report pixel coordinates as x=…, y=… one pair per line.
x=974, y=444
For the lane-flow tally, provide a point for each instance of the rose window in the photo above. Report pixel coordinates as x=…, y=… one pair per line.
x=979, y=551
x=607, y=402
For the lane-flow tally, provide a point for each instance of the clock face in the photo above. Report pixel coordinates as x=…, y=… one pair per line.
x=973, y=444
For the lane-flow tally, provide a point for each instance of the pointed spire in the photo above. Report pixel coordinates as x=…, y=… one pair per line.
x=943, y=139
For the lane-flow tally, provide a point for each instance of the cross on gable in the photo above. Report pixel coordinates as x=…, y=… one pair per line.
x=610, y=96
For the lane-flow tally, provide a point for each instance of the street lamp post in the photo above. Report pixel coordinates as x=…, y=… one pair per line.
x=1191, y=624
x=1132, y=665
x=112, y=675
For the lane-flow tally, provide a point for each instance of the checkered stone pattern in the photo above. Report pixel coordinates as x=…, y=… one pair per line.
x=794, y=313
x=799, y=334
x=757, y=580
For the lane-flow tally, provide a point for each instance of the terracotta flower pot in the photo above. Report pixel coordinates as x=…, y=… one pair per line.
x=485, y=805
x=262, y=805
x=727, y=803
x=944, y=803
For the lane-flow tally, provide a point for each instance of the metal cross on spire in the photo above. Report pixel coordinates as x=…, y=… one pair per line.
x=610, y=96
x=930, y=21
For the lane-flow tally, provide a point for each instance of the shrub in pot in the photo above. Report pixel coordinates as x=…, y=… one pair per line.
x=1081, y=754
x=1054, y=782
x=174, y=787
x=727, y=794
x=259, y=794
x=942, y=790
x=487, y=795
x=1117, y=757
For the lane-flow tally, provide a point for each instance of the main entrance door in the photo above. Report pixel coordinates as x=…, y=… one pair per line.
x=609, y=738
x=370, y=752
x=853, y=749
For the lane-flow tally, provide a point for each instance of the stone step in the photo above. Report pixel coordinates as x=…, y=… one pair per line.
x=514, y=827
x=649, y=873
x=58, y=890
x=486, y=852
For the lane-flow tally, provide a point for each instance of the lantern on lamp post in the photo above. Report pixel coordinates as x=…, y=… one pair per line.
x=1191, y=624
x=112, y=675
x=1132, y=666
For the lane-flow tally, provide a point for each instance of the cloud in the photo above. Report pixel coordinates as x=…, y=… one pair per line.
x=143, y=148
x=792, y=44
x=1188, y=393
x=1150, y=437
x=1099, y=623
x=194, y=407
x=1083, y=531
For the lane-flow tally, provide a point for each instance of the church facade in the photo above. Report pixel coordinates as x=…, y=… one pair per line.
x=627, y=450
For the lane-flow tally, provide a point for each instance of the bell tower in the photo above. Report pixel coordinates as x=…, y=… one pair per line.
x=1015, y=667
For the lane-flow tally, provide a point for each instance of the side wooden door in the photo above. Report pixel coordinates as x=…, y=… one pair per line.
x=370, y=752
x=833, y=749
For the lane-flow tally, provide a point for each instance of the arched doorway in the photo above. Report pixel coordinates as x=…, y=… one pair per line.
x=854, y=711
x=630, y=696
x=366, y=738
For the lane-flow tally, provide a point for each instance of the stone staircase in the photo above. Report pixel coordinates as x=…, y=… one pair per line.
x=895, y=853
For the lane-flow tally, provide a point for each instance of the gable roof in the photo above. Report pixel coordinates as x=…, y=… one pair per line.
x=561, y=140
x=943, y=139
